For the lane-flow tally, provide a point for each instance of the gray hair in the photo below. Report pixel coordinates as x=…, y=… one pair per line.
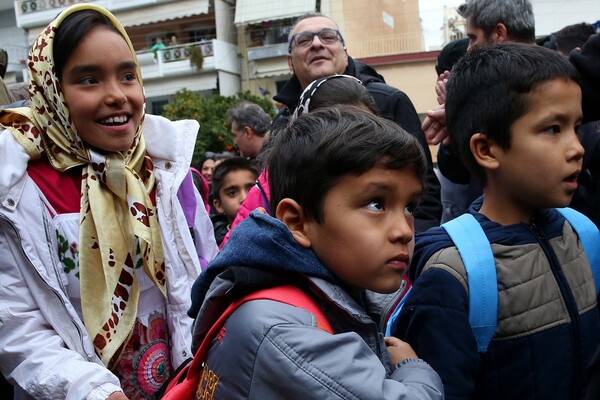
x=516, y=15
x=249, y=114
x=313, y=14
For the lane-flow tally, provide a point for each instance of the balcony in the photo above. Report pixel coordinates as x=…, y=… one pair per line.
x=35, y=13
x=269, y=51
x=172, y=70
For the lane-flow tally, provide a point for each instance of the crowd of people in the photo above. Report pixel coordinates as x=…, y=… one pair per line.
x=327, y=258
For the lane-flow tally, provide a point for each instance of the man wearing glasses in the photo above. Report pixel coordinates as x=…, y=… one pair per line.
x=317, y=49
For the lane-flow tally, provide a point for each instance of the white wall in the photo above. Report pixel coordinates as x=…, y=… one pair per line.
x=552, y=15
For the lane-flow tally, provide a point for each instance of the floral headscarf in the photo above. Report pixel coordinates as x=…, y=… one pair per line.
x=117, y=219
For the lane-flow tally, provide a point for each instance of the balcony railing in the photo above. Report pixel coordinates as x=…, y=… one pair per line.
x=269, y=51
x=33, y=6
x=30, y=13
x=175, y=60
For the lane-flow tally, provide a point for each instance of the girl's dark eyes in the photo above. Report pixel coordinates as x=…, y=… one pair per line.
x=129, y=77
x=88, y=80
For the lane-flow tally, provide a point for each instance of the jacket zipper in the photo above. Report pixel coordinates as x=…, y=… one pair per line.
x=567, y=296
x=52, y=289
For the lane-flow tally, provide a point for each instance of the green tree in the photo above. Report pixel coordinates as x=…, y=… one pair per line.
x=211, y=113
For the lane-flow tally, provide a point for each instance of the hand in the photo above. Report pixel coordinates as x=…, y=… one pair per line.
x=434, y=126
x=117, y=396
x=440, y=87
x=398, y=349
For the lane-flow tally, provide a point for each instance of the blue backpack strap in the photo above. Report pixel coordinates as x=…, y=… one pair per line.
x=392, y=319
x=589, y=236
x=476, y=253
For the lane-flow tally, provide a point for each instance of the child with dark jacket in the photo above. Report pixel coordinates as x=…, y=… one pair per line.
x=343, y=183
x=512, y=112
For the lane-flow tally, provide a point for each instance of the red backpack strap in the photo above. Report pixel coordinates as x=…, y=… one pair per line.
x=293, y=296
x=287, y=294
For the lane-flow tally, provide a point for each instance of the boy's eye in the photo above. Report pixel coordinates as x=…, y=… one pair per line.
x=231, y=193
x=552, y=129
x=409, y=209
x=374, y=205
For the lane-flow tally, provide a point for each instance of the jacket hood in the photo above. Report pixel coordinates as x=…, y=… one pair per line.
x=260, y=242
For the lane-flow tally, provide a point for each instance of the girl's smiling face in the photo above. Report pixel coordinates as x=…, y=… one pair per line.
x=102, y=90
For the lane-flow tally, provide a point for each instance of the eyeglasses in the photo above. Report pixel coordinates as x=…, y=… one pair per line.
x=326, y=36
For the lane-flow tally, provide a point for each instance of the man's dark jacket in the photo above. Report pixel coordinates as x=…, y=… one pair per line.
x=392, y=104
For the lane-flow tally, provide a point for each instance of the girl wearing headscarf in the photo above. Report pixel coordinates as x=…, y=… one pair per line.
x=99, y=240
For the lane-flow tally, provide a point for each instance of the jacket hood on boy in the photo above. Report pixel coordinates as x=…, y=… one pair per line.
x=271, y=248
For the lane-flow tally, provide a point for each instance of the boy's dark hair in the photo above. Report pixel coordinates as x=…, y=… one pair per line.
x=70, y=32
x=317, y=149
x=572, y=36
x=488, y=91
x=225, y=167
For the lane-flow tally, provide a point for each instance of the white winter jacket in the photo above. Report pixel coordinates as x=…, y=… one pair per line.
x=44, y=347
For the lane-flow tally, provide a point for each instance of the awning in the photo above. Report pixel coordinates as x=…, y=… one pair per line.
x=247, y=11
x=162, y=12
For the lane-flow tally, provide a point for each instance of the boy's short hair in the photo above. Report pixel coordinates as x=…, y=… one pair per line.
x=225, y=167
x=317, y=149
x=488, y=91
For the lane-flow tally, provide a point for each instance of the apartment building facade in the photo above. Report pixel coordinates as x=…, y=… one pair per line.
x=201, y=29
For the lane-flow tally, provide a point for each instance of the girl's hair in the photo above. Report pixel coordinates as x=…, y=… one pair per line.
x=70, y=32
x=334, y=90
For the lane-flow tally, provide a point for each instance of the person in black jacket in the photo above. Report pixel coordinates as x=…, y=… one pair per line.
x=317, y=49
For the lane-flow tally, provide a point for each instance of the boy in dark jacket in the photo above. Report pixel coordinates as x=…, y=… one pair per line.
x=343, y=184
x=512, y=113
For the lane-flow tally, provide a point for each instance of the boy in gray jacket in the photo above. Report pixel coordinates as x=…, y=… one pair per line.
x=343, y=185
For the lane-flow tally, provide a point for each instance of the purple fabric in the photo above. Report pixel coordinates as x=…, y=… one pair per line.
x=187, y=199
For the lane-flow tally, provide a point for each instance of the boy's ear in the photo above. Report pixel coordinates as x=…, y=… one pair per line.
x=217, y=205
x=291, y=214
x=484, y=151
